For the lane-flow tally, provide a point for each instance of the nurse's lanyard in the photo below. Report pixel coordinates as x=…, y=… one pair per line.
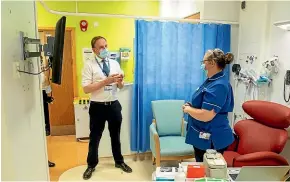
x=106, y=74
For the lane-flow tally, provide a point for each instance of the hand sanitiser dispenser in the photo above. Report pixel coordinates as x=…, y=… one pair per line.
x=215, y=164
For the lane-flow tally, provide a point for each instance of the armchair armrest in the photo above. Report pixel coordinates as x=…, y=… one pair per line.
x=154, y=140
x=260, y=159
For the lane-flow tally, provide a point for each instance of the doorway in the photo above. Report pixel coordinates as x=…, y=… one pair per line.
x=61, y=111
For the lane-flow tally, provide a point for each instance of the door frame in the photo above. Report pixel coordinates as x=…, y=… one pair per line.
x=73, y=52
x=193, y=16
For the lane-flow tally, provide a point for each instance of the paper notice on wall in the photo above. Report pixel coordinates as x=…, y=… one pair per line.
x=88, y=54
x=125, y=56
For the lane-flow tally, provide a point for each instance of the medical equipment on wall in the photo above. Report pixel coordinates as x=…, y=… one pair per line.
x=249, y=78
x=125, y=54
x=256, y=84
x=115, y=56
x=270, y=67
x=236, y=68
x=287, y=82
x=254, y=81
x=251, y=59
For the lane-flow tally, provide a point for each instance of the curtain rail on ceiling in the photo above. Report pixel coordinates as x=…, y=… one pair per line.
x=63, y=13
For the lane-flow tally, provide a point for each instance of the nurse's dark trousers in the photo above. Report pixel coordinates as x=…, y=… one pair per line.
x=198, y=153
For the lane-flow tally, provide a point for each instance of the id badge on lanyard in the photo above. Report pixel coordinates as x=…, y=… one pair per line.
x=108, y=88
x=202, y=135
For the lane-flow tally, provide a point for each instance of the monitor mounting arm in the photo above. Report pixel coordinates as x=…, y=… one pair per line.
x=46, y=48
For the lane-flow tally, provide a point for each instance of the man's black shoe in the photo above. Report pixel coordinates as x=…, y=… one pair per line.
x=51, y=164
x=88, y=173
x=124, y=167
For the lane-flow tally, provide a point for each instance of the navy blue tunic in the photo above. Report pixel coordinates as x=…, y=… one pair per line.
x=214, y=94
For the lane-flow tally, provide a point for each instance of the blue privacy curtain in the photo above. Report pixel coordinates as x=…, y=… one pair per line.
x=168, y=56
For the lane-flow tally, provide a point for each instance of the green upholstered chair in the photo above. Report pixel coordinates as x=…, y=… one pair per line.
x=168, y=131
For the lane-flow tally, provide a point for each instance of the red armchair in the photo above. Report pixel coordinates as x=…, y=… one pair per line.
x=260, y=140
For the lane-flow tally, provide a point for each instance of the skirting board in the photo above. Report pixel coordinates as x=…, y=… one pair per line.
x=62, y=130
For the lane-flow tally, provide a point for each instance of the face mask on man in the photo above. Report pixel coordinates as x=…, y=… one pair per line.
x=104, y=53
x=203, y=68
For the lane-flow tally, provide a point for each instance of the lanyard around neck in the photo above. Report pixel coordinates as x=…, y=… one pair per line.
x=102, y=68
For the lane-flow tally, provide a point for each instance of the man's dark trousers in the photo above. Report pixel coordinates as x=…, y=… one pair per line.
x=99, y=114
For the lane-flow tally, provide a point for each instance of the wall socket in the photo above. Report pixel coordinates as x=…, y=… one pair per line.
x=16, y=68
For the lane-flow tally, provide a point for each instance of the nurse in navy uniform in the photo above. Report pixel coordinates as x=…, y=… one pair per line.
x=208, y=125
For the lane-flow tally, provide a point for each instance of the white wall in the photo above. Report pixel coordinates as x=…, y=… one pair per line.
x=279, y=44
x=180, y=8
x=23, y=138
x=6, y=157
x=252, y=38
x=221, y=10
x=224, y=11
x=259, y=36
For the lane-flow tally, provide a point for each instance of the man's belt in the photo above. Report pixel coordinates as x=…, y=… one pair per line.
x=104, y=103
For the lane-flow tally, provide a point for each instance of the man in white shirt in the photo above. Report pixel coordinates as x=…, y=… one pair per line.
x=101, y=77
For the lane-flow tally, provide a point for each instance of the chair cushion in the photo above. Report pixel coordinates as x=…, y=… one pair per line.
x=267, y=113
x=229, y=157
x=168, y=115
x=256, y=137
x=174, y=146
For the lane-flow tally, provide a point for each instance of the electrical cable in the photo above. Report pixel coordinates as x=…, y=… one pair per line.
x=43, y=70
x=30, y=73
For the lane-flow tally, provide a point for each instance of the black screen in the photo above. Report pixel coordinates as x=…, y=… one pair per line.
x=58, y=51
